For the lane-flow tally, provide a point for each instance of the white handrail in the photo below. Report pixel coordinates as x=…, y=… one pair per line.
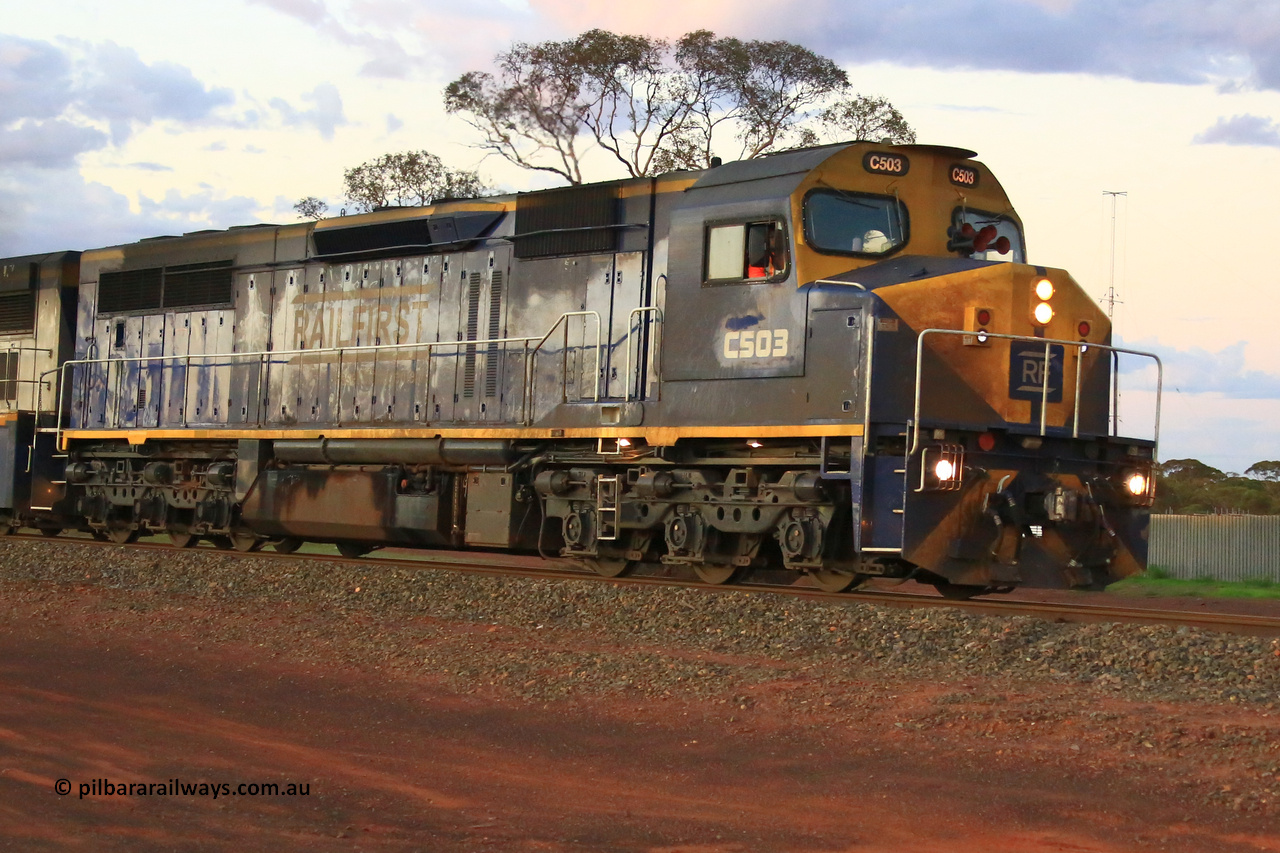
x=1044, y=382
x=272, y=356
x=653, y=309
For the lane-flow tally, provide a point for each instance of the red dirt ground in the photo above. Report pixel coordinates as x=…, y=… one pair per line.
x=92, y=688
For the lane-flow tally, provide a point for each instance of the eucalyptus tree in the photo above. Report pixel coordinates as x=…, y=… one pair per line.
x=655, y=105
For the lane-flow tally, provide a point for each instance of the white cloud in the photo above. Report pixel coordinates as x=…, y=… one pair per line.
x=1200, y=371
x=325, y=116
x=116, y=86
x=96, y=215
x=48, y=143
x=1242, y=130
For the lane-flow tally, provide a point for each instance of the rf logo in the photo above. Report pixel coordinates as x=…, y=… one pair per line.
x=1030, y=376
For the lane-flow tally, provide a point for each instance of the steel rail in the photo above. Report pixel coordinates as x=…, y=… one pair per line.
x=501, y=565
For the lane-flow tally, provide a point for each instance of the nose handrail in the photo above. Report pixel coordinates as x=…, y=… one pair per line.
x=1044, y=380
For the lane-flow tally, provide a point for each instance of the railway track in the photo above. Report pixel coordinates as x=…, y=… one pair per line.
x=1155, y=611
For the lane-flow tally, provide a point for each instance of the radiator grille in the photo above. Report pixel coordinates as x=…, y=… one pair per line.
x=156, y=288
x=473, y=326
x=131, y=290
x=18, y=311
x=197, y=284
x=495, y=331
x=570, y=221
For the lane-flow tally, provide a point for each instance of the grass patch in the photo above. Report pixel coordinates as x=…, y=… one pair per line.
x=1155, y=581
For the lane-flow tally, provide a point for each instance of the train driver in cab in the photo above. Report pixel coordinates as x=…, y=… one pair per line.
x=766, y=250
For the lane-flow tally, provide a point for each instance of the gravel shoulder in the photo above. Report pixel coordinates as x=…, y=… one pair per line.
x=501, y=713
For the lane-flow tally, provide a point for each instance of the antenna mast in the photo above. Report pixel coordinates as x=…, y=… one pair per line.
x=1110, y=298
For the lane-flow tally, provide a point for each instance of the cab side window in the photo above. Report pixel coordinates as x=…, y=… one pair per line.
x=747, y=252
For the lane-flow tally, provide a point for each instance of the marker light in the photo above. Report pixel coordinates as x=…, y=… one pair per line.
x=984, y=317
x=1044, y=313
x=624, y=442
x=982, y=336
x=1084, y=328
x=1044, y=289
x=944, y=470
x=1136, y=484
x=755, y=443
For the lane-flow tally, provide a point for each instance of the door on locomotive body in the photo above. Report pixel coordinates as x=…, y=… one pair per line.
x=310, y=374
x=123, y=385
x=427, y=309
x=443, y=372
x=584, y=377
x=416, y=322
x=206, y=389
x=540, y=291
x=177, y=374
x=356, y=315
x=98, y=386
x=835, y=365
x=87, y=382
x=220, y=339
x=150, y=390
x=284, y=402
x=622, y=331
x=390, y=369
x=251, y=333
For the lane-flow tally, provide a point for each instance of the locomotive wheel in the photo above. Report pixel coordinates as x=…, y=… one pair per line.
x=288, y=545
x=245, y=541
x=609, y=567
x=715, y=574
x=353, y=550
x=958, y=591
x=121, y=532
x=182, y=538
x=832, y=580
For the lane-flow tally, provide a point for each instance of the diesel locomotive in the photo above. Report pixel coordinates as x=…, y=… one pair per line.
x=833, y=362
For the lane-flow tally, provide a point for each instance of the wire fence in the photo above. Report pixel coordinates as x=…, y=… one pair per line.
x=1223, y=547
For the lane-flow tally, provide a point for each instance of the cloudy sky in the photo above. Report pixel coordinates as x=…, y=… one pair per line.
x=137, y=117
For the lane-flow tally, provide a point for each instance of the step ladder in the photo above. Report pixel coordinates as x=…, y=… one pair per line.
x=607, y=507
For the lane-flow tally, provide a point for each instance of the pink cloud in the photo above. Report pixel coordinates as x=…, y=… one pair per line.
x=775, y=20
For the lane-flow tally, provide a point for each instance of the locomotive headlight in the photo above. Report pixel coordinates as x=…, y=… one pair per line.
x=1044, y=311
x=1138, y=486
x=941, y=468
x=1044, y=289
